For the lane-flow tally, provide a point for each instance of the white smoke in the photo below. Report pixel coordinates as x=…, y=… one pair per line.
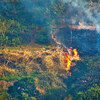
x=91, y=9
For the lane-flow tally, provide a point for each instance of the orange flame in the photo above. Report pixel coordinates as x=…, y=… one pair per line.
x=80, y=23
x=67, y=61
x=54, y=38
x=76, y=56
x=69, y=57
x=82, y=26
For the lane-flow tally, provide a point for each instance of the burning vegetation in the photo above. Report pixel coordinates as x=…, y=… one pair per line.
x=69, y=57
x=82, y=26
x=69, y=54
x=32, y=67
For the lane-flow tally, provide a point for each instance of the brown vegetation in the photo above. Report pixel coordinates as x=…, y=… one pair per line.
x=49, y=62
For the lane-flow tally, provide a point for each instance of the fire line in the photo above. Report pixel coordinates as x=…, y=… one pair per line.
x=82, y=26
x=69, y=55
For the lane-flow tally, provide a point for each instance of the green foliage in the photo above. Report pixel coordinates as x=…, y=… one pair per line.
x=92, y=62
x=17, y=20
x=8, y=76
x=23, y=88
x=18, y=26
x=92, y=94
x=10, y=31
x=5, y=96
x=26, y=97
x=42, y=37
x=54, y=94
x=48, y=47
x=68, y=98
x=11, y=78
x=57, y=8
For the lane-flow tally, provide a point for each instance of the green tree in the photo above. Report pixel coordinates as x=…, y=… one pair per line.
x=92, y=94
x=24, y=88
x=54, y=94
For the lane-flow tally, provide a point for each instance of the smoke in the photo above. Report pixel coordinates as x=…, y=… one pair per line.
x=38, y=9
x=84, y=11
x=90, y=11
x=89, y=15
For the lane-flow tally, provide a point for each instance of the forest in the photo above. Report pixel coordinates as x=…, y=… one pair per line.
x=49, y=50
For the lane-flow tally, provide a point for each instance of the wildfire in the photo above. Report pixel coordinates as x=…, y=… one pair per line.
x=67, y=61
x=53, y=37
x=82, y=26
x=69, y=57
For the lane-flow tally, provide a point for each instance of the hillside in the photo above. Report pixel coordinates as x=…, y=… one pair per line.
x=46, y=67
x=49, y=50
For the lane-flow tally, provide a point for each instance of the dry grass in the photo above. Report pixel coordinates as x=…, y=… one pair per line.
x=52, y=59
x=5, y=71
x=49, y=62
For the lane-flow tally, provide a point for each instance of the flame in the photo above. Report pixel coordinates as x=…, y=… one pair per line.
x=76, y=56
x=82, y=26
x=69, y=57
x=55, y=38
x=67, y=61
x=80, y=23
